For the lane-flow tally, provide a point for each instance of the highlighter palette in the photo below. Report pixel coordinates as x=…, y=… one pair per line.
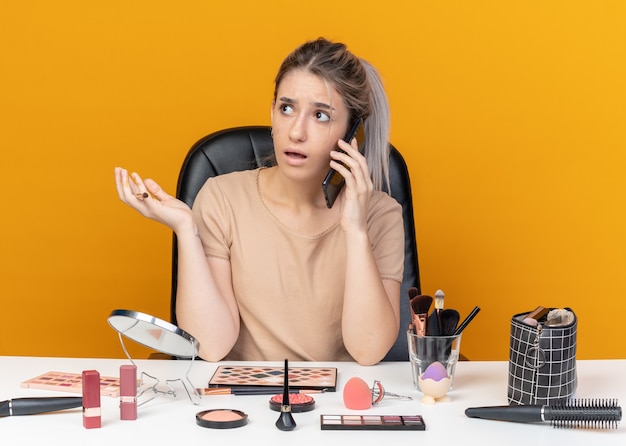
x=72, y=383
x=372, y=422
x=311, y=378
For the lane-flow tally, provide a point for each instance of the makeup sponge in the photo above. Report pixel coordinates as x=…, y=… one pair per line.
x=357, y=394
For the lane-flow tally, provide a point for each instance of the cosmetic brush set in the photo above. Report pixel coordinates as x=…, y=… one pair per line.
x=441, y=321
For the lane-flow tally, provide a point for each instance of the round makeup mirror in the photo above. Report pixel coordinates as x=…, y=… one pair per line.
x=154, y=333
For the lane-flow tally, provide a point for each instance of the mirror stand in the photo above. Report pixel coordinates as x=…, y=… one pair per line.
x=155, y=389
x=161, y=336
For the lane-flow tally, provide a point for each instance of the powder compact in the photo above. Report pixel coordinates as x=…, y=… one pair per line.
x=299, y=402
x=221, y=418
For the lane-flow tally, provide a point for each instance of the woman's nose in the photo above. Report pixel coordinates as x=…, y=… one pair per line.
x=297, y=131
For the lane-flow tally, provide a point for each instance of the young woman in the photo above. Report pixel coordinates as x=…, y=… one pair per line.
x=266, y=271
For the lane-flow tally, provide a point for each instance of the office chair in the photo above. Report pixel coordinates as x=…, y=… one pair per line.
x=249, y=147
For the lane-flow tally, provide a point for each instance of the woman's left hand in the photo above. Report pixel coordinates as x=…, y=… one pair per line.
x=358, y=188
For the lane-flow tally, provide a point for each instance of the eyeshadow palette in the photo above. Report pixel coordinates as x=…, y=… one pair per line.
x=71, y=382
x=313, y=378
x=372, y=422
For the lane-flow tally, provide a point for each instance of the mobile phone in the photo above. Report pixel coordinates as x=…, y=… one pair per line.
x=334, y=181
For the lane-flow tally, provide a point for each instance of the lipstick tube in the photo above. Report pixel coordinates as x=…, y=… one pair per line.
x=91, y=399
x=128, y=392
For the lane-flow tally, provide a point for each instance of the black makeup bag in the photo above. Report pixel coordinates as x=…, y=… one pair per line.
x=542, y=358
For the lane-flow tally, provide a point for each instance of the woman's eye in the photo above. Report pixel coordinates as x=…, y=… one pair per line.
x=321, y=116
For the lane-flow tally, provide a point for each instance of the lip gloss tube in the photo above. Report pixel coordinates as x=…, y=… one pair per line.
x=128, y=392
x=91, y=399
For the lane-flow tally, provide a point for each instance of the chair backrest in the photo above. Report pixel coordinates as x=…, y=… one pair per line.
x=243, y=148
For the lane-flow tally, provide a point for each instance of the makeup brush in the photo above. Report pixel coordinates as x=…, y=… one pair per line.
x=434, y=320
x=466, y=321
x=534, y=316
x=449, y=319
x=420, y=305
x=412, y=292
x=285, y=421
x=575, y=414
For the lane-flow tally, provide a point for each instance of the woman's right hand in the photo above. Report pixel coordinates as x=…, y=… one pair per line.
x=151, y=201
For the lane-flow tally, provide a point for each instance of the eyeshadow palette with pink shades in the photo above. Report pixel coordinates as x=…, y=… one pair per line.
x=372, y=422
x=311, y=378
x=72, y=383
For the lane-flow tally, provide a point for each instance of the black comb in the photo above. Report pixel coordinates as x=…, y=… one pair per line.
x=573, y=414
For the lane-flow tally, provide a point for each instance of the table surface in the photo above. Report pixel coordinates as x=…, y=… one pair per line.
x=172, y=419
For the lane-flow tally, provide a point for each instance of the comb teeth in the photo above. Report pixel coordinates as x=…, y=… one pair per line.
x=584, y=414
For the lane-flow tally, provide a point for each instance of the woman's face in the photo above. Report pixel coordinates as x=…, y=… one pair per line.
x=308, y=118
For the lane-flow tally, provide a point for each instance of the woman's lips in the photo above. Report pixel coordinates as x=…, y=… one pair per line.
x=295, y=158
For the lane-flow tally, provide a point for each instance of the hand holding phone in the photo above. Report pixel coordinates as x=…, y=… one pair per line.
x=334, y=181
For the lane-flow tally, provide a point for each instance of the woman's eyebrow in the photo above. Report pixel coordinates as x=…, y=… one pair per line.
x=321, y=105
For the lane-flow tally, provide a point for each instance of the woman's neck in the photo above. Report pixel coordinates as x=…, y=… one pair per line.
x=296, y=204
x=298, y=195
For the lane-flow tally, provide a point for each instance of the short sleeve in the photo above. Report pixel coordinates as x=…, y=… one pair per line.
x=386, y=231
x=212, y=212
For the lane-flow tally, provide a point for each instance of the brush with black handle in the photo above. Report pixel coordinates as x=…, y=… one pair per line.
x=32, y=406
x=576, y=414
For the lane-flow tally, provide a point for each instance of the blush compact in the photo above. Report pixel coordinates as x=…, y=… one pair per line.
x=299, y=402
x=221, y=418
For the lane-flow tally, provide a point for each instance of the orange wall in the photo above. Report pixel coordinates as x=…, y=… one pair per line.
x=510, y=115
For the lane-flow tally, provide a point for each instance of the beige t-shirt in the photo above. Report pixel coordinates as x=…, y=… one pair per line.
x=289, y=286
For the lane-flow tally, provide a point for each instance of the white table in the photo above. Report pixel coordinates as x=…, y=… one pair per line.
x=168, y=420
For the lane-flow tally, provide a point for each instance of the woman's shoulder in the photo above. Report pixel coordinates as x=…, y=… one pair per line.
x=228, y=186
x=384, y=211
x=238, y=181
x=383, y=201
x=235, y=178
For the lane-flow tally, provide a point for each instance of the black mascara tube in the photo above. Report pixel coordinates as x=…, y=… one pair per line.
x=32, y=406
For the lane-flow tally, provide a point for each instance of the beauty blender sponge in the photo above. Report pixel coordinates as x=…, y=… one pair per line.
x=436, y=371
x=357, y=394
